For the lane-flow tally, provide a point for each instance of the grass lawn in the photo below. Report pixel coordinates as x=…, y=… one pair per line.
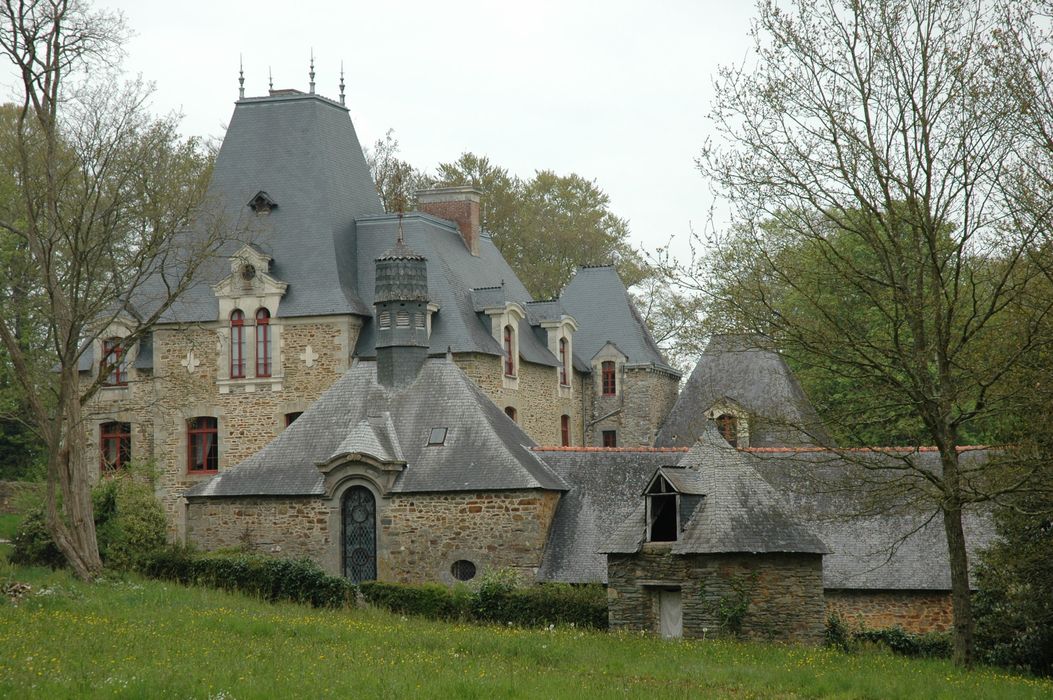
x=147, y=639
x=8, y=528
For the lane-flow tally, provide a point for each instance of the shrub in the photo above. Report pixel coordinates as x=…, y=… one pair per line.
x=129, y=524
x=836, y=634
x=298, y=581
x=898, y=640
x=496, y=600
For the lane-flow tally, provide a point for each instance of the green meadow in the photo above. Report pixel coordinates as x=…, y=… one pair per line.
x=133, y=638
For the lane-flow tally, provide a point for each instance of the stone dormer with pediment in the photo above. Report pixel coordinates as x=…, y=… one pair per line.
x=560, y=336
x=251, y=290
x=608, y=353
x=505, y=323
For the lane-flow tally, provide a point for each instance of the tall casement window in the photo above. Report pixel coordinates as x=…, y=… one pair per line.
x=728, y=426
x=237, y=344
x=113, y=361
x=564, y=430
x=201, y=449
x=263, y=343
x=610, y=385
x=510, y=357
x=564, y=363
x=610, y=438
x=115, y=446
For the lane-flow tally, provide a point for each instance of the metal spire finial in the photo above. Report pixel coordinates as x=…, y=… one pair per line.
x=241, y=77
x=270, y=79
x=401, y=235
x=341, y=82
x=312, y=71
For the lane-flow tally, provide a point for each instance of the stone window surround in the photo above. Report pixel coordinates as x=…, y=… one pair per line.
x=609, y=353
x=183, y=451
x=564, y=328
x=508, y=315
x=731, y=408
x=115, y=392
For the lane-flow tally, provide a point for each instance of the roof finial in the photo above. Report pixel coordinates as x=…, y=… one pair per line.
x=241, y=77
x=341, y=82
x=401, y=240
x=312, y=71
x=270, y=79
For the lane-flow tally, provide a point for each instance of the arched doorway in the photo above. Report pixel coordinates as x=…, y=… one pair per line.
x=360, y=534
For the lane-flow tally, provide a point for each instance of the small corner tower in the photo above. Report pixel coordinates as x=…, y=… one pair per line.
x=401, y=302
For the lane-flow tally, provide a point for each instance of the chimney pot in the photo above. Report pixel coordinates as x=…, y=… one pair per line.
x=457, y=204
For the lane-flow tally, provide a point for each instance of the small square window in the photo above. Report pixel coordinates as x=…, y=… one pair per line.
x=437, y=437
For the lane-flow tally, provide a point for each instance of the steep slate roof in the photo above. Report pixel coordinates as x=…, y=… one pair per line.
x=742, y=369
x=599, y=302
x=740, y=511
x=604, y=491
x=304, y=152
x=902, y=548
x=484, y=449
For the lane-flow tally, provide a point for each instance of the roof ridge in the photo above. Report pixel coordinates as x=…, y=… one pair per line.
x=889, y=448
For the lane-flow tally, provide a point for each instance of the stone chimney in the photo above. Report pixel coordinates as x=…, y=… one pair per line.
x=457, y=204
x=401, y=303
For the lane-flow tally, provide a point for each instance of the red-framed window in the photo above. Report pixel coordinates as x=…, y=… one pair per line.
x=290, y=418
x=202, y=450
x=610, y=438
x=113, y=363
x=728, y=426
x=510, y=356
x=510, y=412
x=564, y=430
x=610, y=383
x=263, y=343
x=237, y=344
x=115, y=446
x=564, y=363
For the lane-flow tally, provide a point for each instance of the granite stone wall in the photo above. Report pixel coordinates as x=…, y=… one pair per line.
x=914, y=611
x=784, y=592
x=287, y=527
x=645, y=397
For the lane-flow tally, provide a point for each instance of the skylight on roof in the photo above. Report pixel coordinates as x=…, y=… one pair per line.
x=437, y=437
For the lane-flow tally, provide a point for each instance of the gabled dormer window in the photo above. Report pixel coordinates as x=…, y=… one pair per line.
x=510, y=355
x=728, y=425
x=608, y=377
x=114, y=363
x=262, y=203
x=564, y=362
x=663, y=523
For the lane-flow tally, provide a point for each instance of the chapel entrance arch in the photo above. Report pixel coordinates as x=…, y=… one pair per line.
x=359, y=516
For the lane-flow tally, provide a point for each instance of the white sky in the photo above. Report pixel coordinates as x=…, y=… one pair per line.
x=615, y=90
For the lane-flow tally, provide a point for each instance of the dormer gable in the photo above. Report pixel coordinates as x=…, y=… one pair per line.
x=672, y=496
x=262, y=203
x=249, y=277
x=732, y=421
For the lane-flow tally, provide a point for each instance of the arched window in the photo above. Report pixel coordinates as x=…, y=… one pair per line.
x=115, y=446
x=510, y=356
x=113, y=363
x=610, y=384
x=237, y=344
x=510, y=412
x=202, y=452
x=728, y=425
x=564, y=429
x=263, y=343
x=564, y=363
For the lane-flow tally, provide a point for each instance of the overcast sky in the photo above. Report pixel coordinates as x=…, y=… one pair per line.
x=616, y=91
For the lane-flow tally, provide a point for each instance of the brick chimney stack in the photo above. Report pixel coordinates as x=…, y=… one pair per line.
x=457, y=204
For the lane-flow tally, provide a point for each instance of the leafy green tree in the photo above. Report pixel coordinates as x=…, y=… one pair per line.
x=877, y=167
x=396, y=180
x=547, y=226
x=109, y=203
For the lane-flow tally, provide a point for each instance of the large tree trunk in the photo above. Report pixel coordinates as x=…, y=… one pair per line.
x=72, y=529
x=961, y=601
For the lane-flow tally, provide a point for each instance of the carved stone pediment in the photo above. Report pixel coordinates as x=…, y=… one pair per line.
x=341, y=467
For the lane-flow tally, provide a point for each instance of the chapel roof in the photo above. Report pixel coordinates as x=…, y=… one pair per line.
x=483, y=449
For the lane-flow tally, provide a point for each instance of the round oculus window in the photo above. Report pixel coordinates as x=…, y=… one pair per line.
x=463, y=570
x=248, y=271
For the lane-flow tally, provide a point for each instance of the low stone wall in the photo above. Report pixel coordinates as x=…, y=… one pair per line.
x=425, y=533
x=12, y=493
x=785, y=592
x=287, y=527
x=914, y=611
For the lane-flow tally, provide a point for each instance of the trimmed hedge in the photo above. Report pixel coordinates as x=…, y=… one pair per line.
x=299, y=580
x=535, y=606
x=933, y=645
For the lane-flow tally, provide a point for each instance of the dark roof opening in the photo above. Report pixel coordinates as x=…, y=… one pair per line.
x=262, y=203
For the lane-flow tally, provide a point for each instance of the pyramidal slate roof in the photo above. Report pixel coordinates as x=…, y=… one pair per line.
x=597, y=299
x=744, y=370
x=483, y=449
x=740, y=511
x=302, y=150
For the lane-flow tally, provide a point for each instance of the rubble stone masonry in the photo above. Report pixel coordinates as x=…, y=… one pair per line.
x=914, y=611
x=645, y=397
x=785, y=592
x=286, y=527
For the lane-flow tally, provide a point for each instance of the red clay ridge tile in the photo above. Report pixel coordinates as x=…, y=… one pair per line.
x=558, y=448
x=892, y=450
